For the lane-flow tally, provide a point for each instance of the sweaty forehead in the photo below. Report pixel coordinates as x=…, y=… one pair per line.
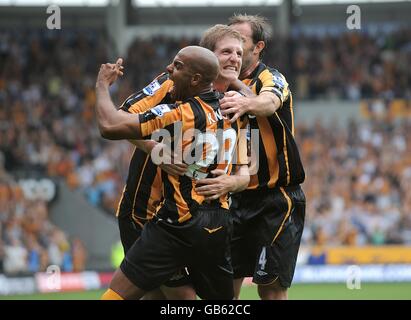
x=229, y=43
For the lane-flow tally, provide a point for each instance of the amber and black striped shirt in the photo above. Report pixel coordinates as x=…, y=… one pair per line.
x=278, y=157
x=203, y=114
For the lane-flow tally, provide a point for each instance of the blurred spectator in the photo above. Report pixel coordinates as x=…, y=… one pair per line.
x=79, y=254
x=34, y=254
x=15, y=257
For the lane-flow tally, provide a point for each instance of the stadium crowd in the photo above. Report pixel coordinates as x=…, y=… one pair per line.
x=351, y=65
x=29, y=242
x=357, y=183
x=357, y=177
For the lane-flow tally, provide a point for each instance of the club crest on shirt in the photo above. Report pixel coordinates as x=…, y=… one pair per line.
x=152, y=88
x=279, y=81
x=160, y=110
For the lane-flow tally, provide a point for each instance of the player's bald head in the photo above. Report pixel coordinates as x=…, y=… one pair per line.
x=202, y=61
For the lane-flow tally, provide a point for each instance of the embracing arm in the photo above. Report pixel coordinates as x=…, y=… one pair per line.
x=263, y=105
x=273, y=92
x=241, y=87
x=145, y=145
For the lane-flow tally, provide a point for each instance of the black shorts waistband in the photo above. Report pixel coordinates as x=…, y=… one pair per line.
x=214, y=204
x=266, y=190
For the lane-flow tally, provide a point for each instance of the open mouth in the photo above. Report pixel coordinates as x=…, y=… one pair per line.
x=231, y=68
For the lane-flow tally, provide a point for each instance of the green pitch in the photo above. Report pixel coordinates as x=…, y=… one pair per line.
x=368, y=291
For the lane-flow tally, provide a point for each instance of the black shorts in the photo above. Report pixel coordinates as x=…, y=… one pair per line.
x=267, y=229
x=202, y=244
x=130, y=231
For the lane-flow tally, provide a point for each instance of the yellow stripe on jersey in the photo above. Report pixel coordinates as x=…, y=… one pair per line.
x=138, y=187
x=119, y=203
x=292, y=115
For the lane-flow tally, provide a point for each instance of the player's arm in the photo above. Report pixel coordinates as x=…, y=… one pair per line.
x=263, y=105
x=273, y=93
x=113, y=124
x=145, y=145
x=151, y=95
x=241, y=87
x=143, y=100
x=116, y=125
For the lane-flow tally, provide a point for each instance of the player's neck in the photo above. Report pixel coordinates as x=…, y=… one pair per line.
x=206, y=89
x=221, y=85
x=249, y=70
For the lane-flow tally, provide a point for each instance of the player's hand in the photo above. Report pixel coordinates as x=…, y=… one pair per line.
x=234, y=104
x=214, y=188
x=109, y=72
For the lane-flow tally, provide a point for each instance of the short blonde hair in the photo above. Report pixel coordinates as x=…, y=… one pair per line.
x=214, y=34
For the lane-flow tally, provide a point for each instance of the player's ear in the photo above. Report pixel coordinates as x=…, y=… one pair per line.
x=260, y=45
x=196, y=79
